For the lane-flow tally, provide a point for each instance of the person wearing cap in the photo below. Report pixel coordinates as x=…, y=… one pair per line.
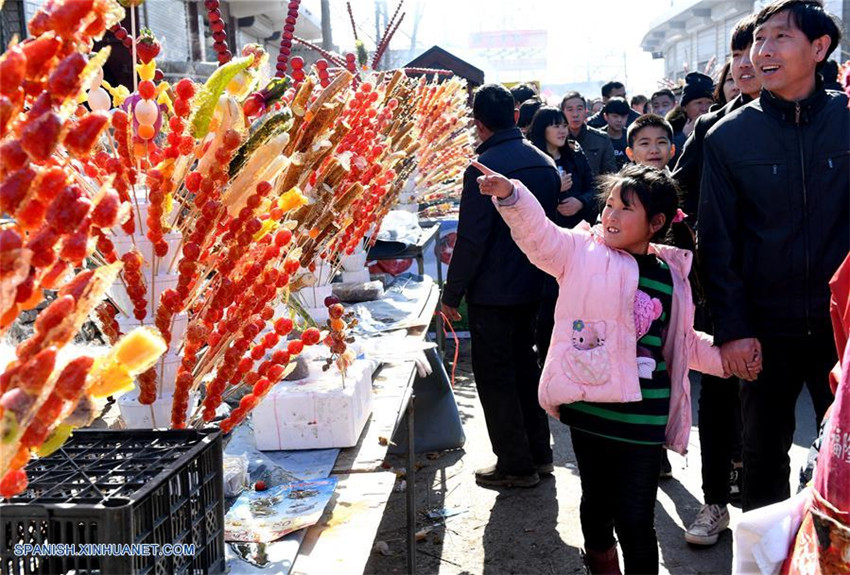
x=697, y=98
x=616, y=114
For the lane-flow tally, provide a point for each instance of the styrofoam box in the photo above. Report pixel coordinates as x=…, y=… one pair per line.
x=356, y=277
x=316, y=413
x=155, y=416
x=157, y=285
x=354, y=262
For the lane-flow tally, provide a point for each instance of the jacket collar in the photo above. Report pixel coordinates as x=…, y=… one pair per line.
x=788, y=111
x=498, y=138
x=677, y=258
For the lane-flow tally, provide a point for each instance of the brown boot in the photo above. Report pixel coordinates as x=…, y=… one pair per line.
x=602, y=562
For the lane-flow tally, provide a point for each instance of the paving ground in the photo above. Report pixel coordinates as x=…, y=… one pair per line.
x=531, y=531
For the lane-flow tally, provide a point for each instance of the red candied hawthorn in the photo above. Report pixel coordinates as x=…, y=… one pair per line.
x=82, y=137
x=65, y=81
x=41, y=136
x=13, y=67
x=38, y=52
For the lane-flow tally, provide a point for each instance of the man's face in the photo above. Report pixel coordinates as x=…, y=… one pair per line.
x=616, y=121
x=662, y=104
x=697, y=107
x=575, y=112
x=784, y=59
x=651, y=147
x=743, y=73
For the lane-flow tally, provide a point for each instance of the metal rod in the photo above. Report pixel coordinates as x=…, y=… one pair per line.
x=411, y=491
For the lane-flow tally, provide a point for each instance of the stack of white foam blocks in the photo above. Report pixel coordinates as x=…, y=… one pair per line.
x=159, y=274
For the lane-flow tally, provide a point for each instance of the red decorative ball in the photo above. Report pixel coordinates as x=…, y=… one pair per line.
x=297, y=62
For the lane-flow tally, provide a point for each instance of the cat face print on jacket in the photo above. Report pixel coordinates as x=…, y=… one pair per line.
x=588, y=361
x=588, y=334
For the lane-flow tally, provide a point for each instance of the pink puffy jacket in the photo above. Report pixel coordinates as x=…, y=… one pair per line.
x=592, y=354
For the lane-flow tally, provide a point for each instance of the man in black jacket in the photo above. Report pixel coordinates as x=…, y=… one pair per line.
x=719, y=404
x=502, y=290
x=611, y=90
x=774, y=224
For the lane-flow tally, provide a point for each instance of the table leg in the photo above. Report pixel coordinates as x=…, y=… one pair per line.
x=411, y=491
x=440, y=328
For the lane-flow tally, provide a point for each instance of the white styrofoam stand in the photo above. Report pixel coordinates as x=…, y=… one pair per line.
x=314, y=296
x=156, y=416
x=360, y=276
x=316, y=413
x=354, y=262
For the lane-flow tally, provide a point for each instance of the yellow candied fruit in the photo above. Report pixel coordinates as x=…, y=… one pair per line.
x=314, y=233
x=138, y=350
x=147, y=71
x=291, y=200
x=109, y=378
x=268, y=226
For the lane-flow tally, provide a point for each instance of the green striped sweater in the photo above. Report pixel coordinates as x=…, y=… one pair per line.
x=641, y=421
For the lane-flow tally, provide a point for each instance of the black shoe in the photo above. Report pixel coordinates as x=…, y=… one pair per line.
x=492, y=477
x=545, y=468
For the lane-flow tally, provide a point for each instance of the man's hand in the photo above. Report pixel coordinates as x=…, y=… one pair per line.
x=570, y=207
x=742, y=358
x=450, y=312
x=493, y=183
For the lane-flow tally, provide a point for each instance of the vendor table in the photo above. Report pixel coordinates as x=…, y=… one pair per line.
x=388, y=250
x=342, y=539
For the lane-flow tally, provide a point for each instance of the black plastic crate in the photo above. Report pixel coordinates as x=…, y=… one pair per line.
x=121, y=487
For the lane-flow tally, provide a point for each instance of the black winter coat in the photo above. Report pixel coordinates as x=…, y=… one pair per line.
x=774, y=215
x=583, y=189
x=487, y=266
x=688, y=171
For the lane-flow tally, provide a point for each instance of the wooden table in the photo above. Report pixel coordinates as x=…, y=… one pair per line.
x=342, y=539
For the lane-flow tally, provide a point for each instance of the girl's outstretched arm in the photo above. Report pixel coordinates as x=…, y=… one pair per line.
x=547, y=246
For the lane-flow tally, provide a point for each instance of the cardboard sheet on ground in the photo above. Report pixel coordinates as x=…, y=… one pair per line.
x=262, y=516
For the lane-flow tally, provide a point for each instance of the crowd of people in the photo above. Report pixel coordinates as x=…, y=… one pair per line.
x=590, y=243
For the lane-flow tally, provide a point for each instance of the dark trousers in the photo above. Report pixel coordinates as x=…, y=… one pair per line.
x=619, y=483
x=545, y=326
x=507, y=376
x=719, y=435
x=768, y=407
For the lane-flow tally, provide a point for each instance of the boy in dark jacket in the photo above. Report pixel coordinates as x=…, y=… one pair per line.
x=719, y=404
x=502, y=290
x=774, y=224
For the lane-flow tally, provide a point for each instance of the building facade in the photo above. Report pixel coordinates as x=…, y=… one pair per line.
x=693, y=32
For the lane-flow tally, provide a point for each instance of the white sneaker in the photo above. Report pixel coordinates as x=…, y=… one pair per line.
x=709, y=522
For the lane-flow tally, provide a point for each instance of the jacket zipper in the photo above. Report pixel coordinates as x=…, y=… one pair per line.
x=805, y=213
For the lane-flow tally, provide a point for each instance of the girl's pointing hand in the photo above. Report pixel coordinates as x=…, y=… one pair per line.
x=493, y=183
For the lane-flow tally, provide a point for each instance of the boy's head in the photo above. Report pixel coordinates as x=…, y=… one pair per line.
x=741, y=66
x=616, y=113
x=492, y=110
x=662, y=102
x=791, y=41
x=575, y=110
x=526, y=112
x=522, y=93
x=650, y=139
x=613, y=90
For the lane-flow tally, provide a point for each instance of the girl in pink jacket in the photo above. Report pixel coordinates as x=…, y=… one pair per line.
x=618, y=361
